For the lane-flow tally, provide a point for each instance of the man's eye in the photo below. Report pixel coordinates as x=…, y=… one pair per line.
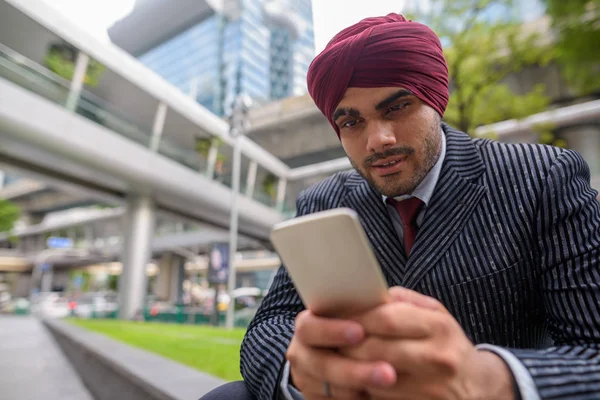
x=397, y=107
x=349, y=124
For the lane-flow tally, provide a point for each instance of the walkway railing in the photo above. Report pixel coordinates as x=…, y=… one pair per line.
x=38, y=79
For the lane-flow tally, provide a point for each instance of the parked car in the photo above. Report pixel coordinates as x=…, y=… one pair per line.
x=49, y=305
x=95, y=305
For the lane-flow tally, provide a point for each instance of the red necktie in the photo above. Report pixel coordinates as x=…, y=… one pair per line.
x=408, y=210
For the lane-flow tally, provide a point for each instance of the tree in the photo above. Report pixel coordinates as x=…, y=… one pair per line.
x=576, y=24
x=484, y=45
x=9, y=213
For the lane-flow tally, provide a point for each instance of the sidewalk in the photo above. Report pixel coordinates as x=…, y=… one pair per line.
x=32, y=366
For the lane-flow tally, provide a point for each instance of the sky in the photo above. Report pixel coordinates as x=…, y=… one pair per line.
x=330, y=16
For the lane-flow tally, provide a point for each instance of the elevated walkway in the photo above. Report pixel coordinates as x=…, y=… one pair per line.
x=132, y=134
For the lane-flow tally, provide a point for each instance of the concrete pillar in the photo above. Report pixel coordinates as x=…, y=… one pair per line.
x=40, y=244
x=88, y=232
x=21, y=285
x=162, y=284
x=212, y=161
x=251, y=178
x=169, y=282
x=281, y=194
x=60, y=278
x=52, y=278
x=138, y=227
x=585, y=139
x=157, y=127
x=177, y=278
x=81, y=65
x=46, y=284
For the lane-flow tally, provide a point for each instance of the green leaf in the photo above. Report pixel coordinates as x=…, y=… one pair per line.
x=483, y=51
x=576, y=25
x=9, y=214
x=61, y=60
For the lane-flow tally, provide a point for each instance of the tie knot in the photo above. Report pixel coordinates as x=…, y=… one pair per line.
x=408, y=210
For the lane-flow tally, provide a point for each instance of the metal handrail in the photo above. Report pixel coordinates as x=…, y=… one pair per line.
x=88, y=96
x=21, y=59
x=36, y=78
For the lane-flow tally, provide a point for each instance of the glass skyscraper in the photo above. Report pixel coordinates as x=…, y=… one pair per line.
x=261, y=48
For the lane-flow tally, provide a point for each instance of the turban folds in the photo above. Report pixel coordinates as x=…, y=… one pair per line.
x=380, y=52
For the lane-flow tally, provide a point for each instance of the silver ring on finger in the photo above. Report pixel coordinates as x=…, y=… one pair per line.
x=327, y=389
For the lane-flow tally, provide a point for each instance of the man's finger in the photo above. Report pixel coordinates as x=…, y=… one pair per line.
x=315, y=388
x=408, y=357
x=328, y=366
x=400, y=294
x=327, y=332
x=399, y=320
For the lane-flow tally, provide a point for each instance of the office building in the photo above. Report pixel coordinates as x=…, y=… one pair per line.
x=214, y=51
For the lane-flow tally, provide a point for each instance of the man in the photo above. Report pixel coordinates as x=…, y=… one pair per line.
x=491, y=250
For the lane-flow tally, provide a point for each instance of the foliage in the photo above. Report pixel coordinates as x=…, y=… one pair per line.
x=9, y=214
x=270, y=183
x=576, y=25
x=61, y=60
x=212, y=350
x=83, y=276
x=203, y=146
x=113, y=283
x=484, y=46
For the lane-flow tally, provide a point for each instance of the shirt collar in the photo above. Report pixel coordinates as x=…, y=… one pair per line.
x=424, y=191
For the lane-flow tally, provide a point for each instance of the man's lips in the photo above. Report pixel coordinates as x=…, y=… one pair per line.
x=390, y=165
x=387, y=161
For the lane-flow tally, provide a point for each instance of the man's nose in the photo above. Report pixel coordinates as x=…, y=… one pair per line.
x=381, y=136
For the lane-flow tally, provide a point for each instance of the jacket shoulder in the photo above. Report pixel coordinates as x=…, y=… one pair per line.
x=326, y=194
x=522, y=158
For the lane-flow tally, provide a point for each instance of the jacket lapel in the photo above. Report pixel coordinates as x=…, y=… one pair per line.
x=454, y=200
x=373, y=215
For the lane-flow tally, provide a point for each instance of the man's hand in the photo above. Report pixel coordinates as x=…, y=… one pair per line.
x=314, y=360
x=432, y=357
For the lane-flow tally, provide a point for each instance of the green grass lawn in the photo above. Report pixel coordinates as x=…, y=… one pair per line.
x=215, y=351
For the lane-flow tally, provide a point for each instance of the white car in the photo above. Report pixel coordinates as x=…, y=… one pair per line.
x=95, y=305
x=49, y=305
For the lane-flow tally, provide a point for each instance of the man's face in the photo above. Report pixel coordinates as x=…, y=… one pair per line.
x=392, y=138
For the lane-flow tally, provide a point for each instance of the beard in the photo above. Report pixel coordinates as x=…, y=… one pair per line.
x=399, y=184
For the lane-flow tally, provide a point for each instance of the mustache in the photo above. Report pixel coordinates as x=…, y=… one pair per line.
x=396, y=151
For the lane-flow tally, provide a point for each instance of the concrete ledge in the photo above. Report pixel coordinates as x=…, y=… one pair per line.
x=113, y=370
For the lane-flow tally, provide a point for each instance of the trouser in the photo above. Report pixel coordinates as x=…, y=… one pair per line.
x=230, y=391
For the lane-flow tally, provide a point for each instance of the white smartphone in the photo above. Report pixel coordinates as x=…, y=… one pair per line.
x=328, y=257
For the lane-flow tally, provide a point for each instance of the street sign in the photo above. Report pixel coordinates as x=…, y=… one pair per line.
x=77, y=281
x=54, y=242
x=218, y=263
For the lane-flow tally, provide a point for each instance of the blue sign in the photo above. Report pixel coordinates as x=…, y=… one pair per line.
x=218, y=263
x=77, y=281
x=59, y=243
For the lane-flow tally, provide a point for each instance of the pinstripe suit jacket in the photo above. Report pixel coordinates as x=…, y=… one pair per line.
x=510, y=244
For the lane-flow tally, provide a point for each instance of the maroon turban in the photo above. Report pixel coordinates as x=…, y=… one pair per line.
x=380, y=52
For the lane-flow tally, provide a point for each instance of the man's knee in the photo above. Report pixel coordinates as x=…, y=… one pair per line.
x=230, y=391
